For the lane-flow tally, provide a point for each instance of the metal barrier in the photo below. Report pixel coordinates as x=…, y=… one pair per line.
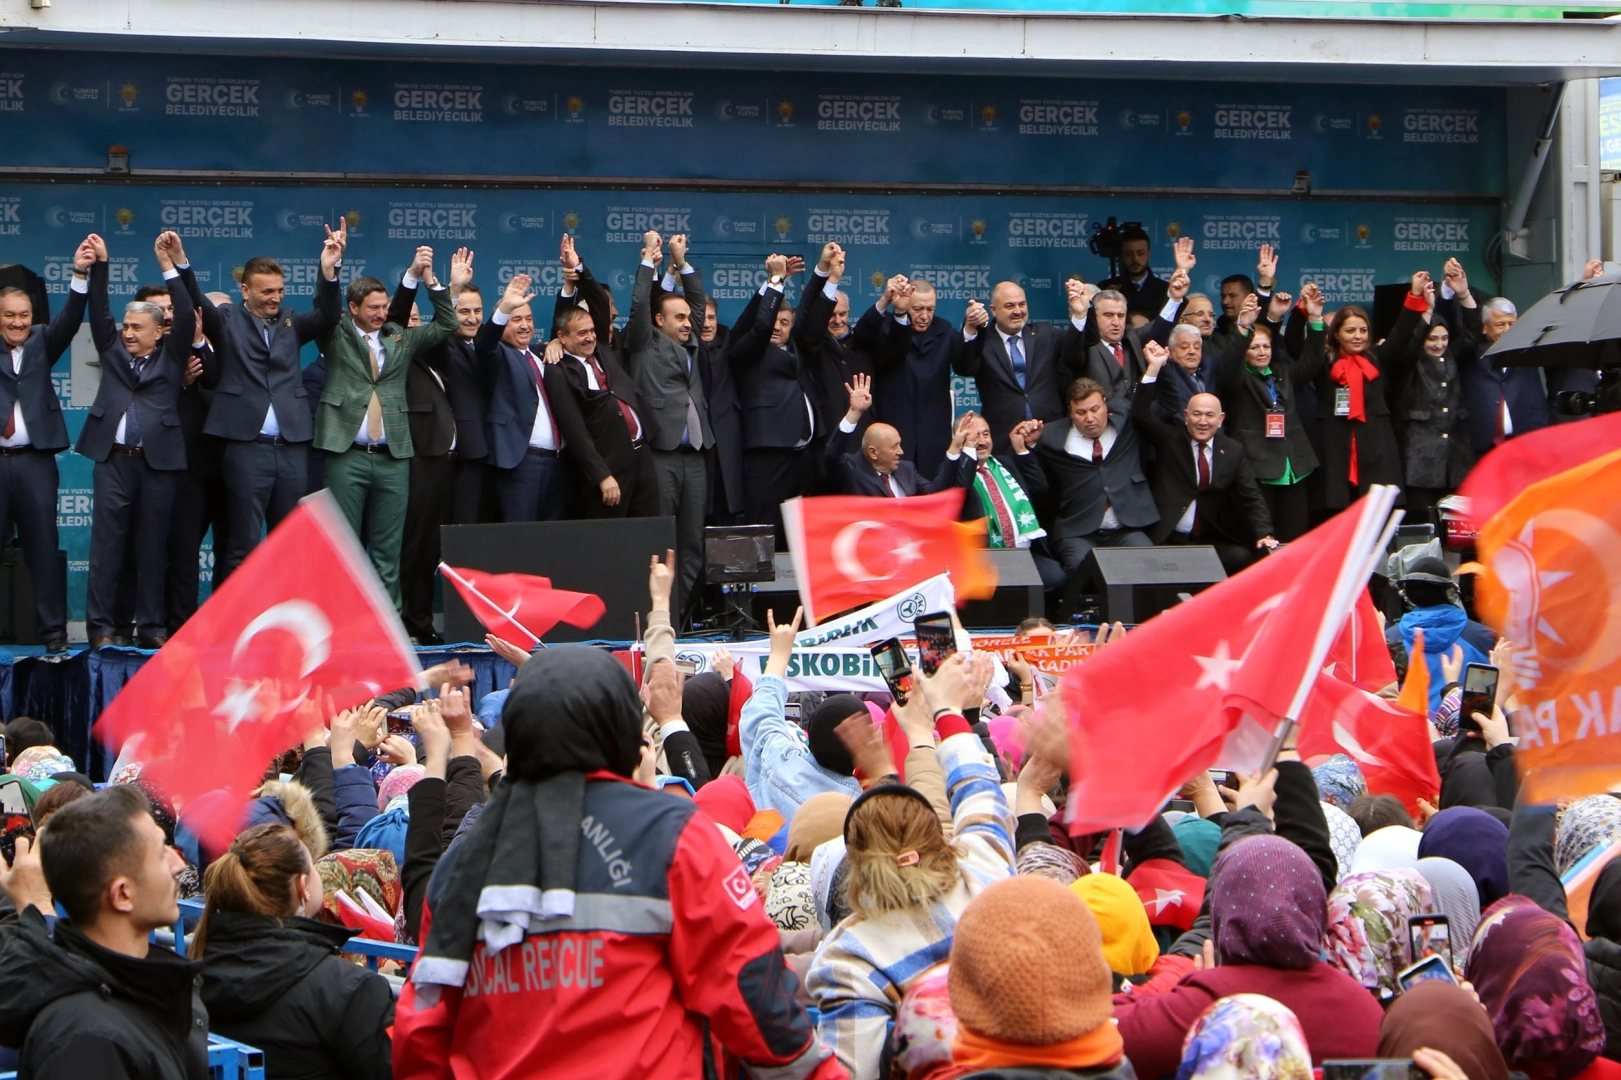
x=374, y=951
x=227, y=1060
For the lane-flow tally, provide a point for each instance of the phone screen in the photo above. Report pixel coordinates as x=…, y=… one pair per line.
x=1373, y=1069
x=686, y=667
x=936, y=640
x=1479, y=694
x=399, y=722
x=791, y=710
x=1431, y=967
x=896, y=669
x=1430, y=935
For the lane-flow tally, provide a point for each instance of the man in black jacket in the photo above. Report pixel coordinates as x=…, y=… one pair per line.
x=96, y=998
x=133, y=435
x=1016, y=364
x=1204, y=488
x=912, y=369
x=259, y=404
x=33, y=433
x=600, y=415
x=877, y=469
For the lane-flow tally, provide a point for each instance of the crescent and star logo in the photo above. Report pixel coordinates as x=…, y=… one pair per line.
x=1565, y=647
x=309, y=627
x=903, y=550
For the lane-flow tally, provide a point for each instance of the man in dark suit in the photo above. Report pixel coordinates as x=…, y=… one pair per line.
x=524, y=439
x=912, y=369
x=1016, y=363
x=600, y=415
x=1204, y=487
x=259, y=405
x=777, y=393
x=32, y=435
x=713, y=333
x=1144, y=292
x=1092, y=469
x=1000, y=493
x=825, y=341
x=1189, y=371
x=133, y=435
x=200, y=500
x=1113, y=354
x=877, y=468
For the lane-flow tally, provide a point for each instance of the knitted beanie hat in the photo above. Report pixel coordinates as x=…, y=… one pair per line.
x=1027, y=965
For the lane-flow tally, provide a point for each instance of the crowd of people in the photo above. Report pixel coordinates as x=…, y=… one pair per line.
x=713, y=876
x=1145, y=418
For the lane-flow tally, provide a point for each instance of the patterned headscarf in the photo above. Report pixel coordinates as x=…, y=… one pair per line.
x=1343, y=837
x=39, y=763
x=1267, y=905
x=399, y=781
x=1040, y=859
x=1445, y=716
x=1367, y=926
x=790, y=902
x=1594, y=821
x=1340, y=781
x=925, y=1026
x=1528, y=968
x=1249, y=1036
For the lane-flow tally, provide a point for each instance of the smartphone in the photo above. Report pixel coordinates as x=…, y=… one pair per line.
x=686, y=667
x=1479, y=695
x=936, y=640
x=1225, y=779
x=791, y=710
x=890, y=659
x=1184, y=805
x=399, y=722
x=1431, y=967
x=1430, y=935
x=1373, y=1069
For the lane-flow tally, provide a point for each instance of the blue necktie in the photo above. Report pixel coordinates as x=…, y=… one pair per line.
x=132, y=426
x=1016, y=354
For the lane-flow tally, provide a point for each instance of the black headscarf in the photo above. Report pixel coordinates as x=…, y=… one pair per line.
x=1604, y=903
x=706, y=702
x=821, y=732
x=573, y=710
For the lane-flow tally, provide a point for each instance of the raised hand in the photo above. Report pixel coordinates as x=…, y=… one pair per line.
x=1023, y=434
x=868, y=752
x=1593, y=269
x=776, y=265
x=959, y=433
x=824, y=265
x=332, y=248
x=422, y=263
x=461, y=269
x=796, y=265
x=516, y=294
x=1183, y=251
x=1456, y=280
x=506, y=650
x=456, y=707
x=860, y=390
x=160, y=248
x=1419, y=281
x=1313, y=298
x=678, y=250
x=722, y=664
x=1156, y=355
x=975, y=316
x=782, y=641
x=567, y=255
x=664, y=684
x=1080, y=297
x=1266, y=266
x=1249, y=311
x=1179, y=285
x=660, y=579
x=836, y=269
x=652, y=247
x=1278, y=307
x=97, y=245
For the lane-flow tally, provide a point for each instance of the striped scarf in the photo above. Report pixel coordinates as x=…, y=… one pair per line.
x=1008, y=513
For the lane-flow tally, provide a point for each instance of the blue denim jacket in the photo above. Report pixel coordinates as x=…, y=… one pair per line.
x=778, y=766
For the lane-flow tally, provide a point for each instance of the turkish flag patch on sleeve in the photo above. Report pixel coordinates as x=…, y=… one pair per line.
x=740, y=887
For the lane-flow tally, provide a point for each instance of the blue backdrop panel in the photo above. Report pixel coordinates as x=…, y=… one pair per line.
x=387, y=116
x=965, y=244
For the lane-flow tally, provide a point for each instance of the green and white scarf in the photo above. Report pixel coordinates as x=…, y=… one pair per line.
x=1008, y=513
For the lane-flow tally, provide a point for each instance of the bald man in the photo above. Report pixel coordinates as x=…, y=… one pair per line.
x=879, y=468
x=1016, y=363
x=1204, y=487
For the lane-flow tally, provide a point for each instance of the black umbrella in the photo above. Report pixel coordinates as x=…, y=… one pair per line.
x=1578, y=326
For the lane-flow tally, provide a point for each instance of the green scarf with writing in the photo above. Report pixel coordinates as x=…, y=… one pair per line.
x=1010, y=518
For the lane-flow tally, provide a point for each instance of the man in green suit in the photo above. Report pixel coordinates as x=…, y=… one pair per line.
x=361, y=420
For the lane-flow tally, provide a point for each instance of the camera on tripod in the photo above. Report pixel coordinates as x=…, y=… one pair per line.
x=1108, y=238
x=1606, y=399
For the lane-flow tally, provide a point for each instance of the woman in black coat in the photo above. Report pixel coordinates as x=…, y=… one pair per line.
x=1429, y=413
x=273, y=977
x=1358, y=442
x=1256, y=380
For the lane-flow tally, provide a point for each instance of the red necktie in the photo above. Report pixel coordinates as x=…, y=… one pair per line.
x=1499, y=434
x=1097, y=459
x=540, y=386
x=1200, y=451
x=631, y=423
x=1119, y=355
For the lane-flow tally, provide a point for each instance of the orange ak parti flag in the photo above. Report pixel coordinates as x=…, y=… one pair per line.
x=1553, y=588
x=851, y=549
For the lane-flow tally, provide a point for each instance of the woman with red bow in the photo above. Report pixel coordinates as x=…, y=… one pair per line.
x=1358, y=443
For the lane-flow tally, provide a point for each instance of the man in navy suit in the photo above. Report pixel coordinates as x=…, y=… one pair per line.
x=32, y=434
x=912, y=367
x=1015, y=363
x=133, y=435
x=524, y=440
x=877, y=469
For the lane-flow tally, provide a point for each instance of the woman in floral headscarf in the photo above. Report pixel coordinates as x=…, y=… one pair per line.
x=1245, y=1037
x=1594, y=821
x=1528, y=969
x=1367, y=926
x=1340, y=781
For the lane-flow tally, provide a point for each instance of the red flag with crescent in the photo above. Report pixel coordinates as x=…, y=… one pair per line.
x=1553, y=588
x=301, y=630
x=521, y=608
x=852, y=549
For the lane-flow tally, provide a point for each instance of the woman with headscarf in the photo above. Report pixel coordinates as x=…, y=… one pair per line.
x=1249, y=1036
x=1386, y=849
x=1587, y=823
x=1269, y=911
x=1476, y=841
x=1340, y=781
x=1457, y=898
x=1436, y=1015
x=1128, y=939
x=1343, y=836
x=633, y=988
x=907, y=884
x=1527, y=967
x=705, y=706
x=1367, y=926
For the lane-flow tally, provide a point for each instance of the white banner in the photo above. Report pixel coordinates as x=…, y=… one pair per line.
x=827, y=668
x=885, y=619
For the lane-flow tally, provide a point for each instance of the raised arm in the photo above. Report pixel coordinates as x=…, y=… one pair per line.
x=103, y=330
x=310, y=325
x=640, y=328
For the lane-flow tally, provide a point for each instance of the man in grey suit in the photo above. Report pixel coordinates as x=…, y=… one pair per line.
x=662, y=356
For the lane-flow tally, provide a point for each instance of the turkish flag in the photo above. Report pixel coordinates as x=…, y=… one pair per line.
x=301, y=630
x=1172, y=893
x=1553, y=587
x=521, y=608
x=1360, y=655
x=1147, y=712
x=1390, y=743
x=850, y=549
x=1499, y=477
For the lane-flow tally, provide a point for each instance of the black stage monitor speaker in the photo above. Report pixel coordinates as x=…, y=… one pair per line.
x=608, y=558
x=1136, y=583
x=1018, y=593
x=18, y=621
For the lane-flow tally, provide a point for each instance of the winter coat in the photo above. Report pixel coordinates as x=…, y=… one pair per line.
x=281, y=986
x=1429, y=415
x=77, y=1010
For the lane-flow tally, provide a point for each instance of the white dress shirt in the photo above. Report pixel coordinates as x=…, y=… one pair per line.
x=19, y=434
x=1184, y=524
x=540, y=435
x=1078, y=445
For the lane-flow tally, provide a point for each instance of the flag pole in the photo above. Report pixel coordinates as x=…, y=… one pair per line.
x=450, y=572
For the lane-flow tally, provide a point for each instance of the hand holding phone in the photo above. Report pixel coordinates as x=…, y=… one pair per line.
x=891, y=661
x=1479, y=695
x=1430, y=935
x=936, y=640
